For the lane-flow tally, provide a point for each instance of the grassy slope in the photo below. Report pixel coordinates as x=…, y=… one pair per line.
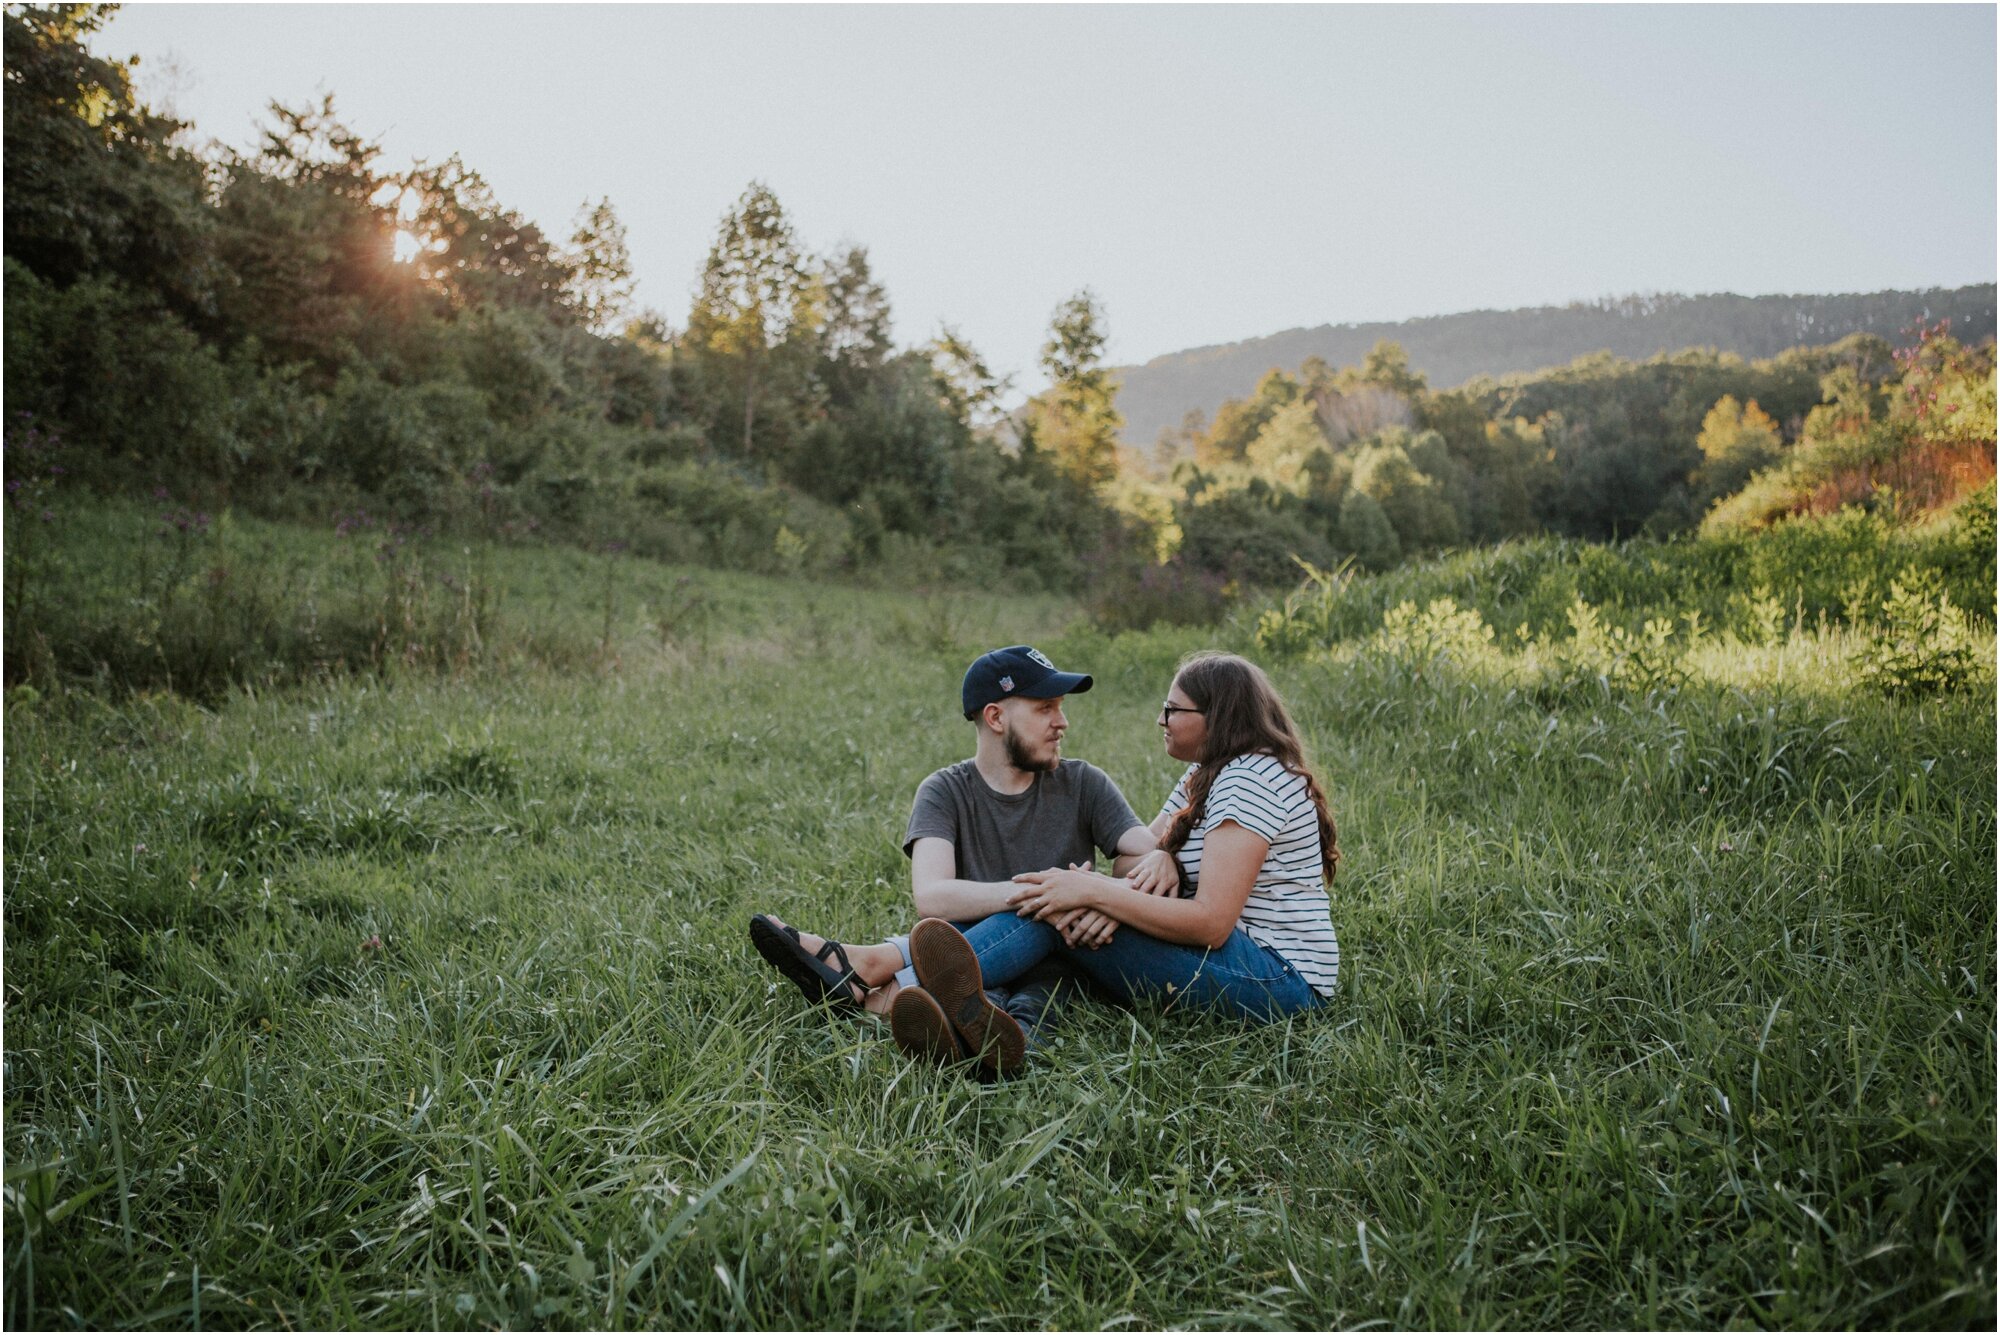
x=1655, y=1012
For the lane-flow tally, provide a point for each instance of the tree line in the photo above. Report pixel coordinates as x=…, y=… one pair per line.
x=301, y=330
x=1369, y=462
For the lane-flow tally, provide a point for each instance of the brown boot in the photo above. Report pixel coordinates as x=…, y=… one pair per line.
x=948, y=970
x=919, y=1026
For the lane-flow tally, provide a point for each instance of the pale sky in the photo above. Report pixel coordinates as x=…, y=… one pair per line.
x=1213, y=173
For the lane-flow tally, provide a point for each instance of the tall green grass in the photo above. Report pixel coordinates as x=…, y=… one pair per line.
x=421, y=997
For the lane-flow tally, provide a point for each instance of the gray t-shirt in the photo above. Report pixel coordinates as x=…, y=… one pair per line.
x=1055, y=821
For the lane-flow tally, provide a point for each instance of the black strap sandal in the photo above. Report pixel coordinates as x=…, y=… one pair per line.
x=822, y=984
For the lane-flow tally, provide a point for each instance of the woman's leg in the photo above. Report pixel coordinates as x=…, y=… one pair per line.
x=1239, y=976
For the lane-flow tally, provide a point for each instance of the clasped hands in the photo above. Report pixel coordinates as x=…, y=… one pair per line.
x=1067, y=899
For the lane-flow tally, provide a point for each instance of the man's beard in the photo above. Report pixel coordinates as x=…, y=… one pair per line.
x=1022, y=759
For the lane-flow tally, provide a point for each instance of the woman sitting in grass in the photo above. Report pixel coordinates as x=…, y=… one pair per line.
x=1230, y=913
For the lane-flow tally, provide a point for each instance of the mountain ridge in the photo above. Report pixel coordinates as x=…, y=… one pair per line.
x=1452, y=349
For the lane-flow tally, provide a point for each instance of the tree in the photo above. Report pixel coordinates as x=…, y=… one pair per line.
x=1175, y=444
x=1848, y=404
x=1291, y=437
x=754, y=311
x=965, y=384
x=600, y=267
x=1413, y=501
x=93, y=183
x=1736, y=441
x=854, y=331
x=1366, y=531
x=305, y=236
x=1387, y=366
x=478, y=253
x=1238, y=421
x=1514, y=467
x=1076, y=419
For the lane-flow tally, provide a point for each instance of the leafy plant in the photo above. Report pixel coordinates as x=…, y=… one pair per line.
x=1925, y=644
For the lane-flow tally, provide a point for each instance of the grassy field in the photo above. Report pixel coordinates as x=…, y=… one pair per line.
x=422, y=997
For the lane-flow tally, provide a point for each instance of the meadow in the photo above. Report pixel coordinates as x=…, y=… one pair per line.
x=390, y=969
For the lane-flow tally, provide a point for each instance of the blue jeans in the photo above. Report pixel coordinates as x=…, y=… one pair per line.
x=1240, y=976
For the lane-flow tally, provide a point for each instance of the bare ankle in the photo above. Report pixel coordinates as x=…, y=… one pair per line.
x=876, y=965
x=877, y=1001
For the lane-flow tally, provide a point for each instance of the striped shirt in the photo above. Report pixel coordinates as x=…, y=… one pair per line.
x=1288, y=909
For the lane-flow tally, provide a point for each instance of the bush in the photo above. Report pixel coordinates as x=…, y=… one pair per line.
x=1174, y=594
x=1252, y=537
x=1925, y=645
x=139, y=396
x=1442, y=633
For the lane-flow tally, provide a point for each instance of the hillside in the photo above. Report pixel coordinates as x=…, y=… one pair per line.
x=1451, y=349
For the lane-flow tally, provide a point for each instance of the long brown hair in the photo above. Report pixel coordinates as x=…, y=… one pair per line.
x=1245, y=717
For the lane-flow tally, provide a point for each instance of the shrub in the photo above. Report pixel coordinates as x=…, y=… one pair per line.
x=1925, y=645
x=1175, y=594
x=1442, y=633
x=139, y=396
x=1303, y=619
x=1645, y=661
x=1249, y=535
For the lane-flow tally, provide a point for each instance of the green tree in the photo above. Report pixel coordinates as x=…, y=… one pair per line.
x=477, y=252
x=754, y=315
x=1736, y=441
x=1366, y=531
x=854, y=326
x=1512, y=471
x=1287, y=441
x=94, y=184
x=1076, y=419
x=1175, y=444
x=1848, y=404
x=965, y=384
x=600, y=267
x=1414, y=502
x=1238, y=421
x=306, y=227
x=1387, y=366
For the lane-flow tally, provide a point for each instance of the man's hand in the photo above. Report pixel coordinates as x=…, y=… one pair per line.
x=1085, y=927
x=1156, y=874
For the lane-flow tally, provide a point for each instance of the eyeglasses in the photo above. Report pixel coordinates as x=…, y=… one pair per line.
x=1167, y=712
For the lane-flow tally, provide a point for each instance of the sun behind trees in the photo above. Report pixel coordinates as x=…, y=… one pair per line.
x=235, y=325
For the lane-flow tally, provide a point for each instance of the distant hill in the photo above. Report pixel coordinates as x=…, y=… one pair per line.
x=1452, y=349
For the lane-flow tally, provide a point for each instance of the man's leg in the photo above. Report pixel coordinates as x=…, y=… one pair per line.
x=1039, y=998
x=1007, y=947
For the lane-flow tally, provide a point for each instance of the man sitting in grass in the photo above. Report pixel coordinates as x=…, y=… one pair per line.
x=1016, y=806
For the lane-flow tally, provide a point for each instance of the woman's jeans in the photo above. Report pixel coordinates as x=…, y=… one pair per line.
x=1238, y=976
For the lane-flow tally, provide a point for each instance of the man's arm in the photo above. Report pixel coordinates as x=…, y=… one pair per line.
x=938, y=891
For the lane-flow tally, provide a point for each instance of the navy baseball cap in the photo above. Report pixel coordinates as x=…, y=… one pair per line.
x=1016, y=671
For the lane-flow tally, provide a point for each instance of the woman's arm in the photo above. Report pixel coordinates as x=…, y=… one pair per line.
x=1230, y=858
x=1133, y=845
x=1154, y=869
x=940, y=893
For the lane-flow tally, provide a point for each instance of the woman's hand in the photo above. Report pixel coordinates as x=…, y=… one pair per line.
x=1156, y=874
x=1044, y=894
